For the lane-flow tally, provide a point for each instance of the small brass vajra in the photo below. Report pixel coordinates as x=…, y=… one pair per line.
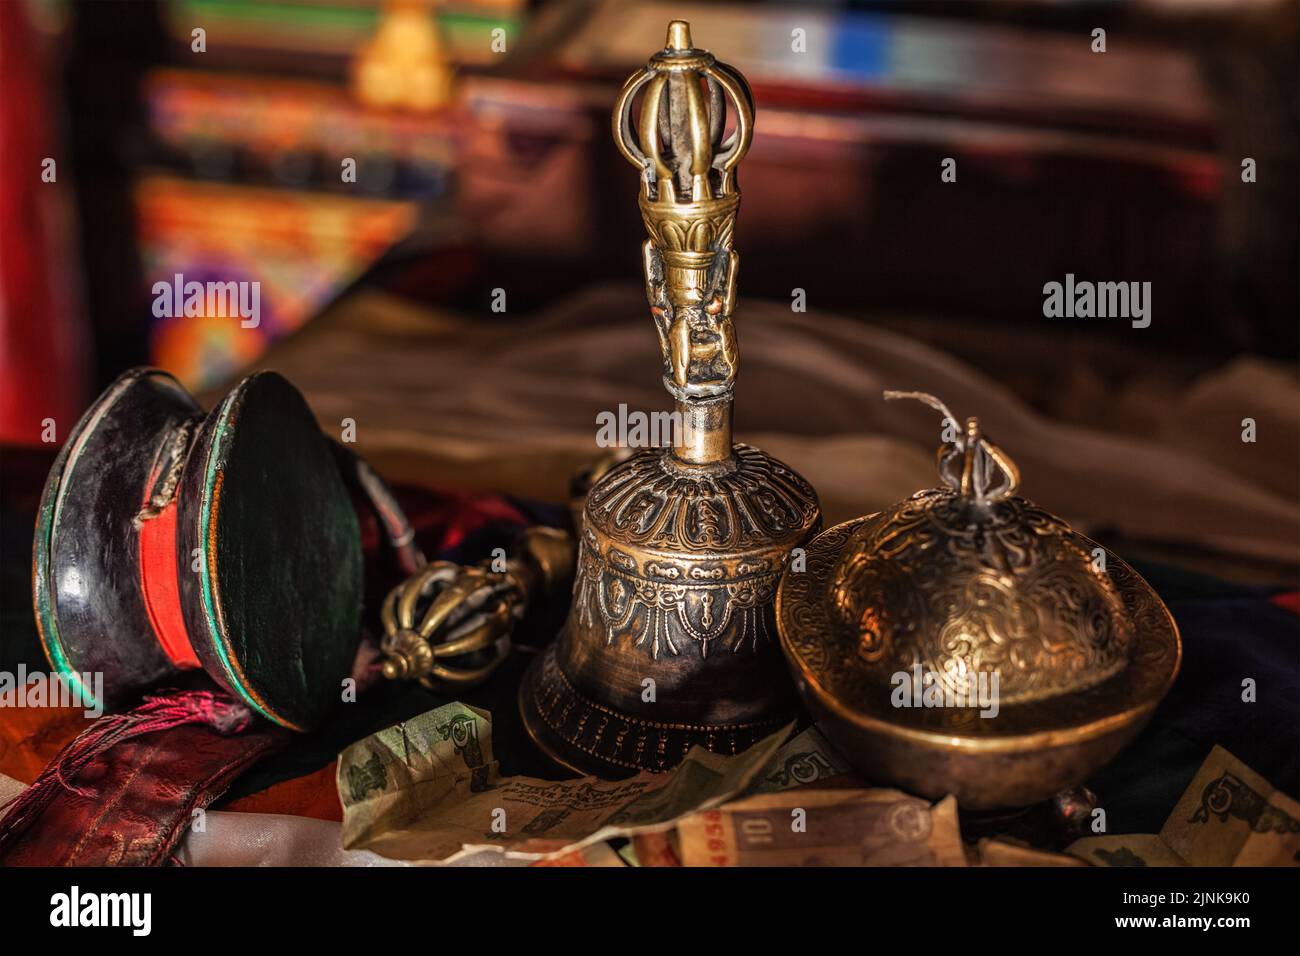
x=449, y=625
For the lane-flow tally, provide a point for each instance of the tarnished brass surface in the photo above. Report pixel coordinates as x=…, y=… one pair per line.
x=449, y=625
x=966, y=580
x=670, y=640
x=689, y=198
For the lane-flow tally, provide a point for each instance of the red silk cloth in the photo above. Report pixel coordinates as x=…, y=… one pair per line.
x=124, y=791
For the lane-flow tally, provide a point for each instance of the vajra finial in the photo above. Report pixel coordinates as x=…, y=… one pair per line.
x=677, y=141
x=687, y=153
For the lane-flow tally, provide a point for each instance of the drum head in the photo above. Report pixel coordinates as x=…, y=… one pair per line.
x=271, y=584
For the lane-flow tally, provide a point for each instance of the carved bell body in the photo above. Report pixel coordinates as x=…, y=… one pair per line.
x=670, y=640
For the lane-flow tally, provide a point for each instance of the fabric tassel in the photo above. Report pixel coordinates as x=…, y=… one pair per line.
x=162, y=711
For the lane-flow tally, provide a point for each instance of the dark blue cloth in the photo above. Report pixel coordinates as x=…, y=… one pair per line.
x=1230, y=633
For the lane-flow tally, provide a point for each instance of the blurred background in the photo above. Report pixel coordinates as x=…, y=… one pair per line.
x=210, y=138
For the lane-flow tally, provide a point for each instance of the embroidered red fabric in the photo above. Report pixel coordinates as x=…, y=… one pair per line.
x=124, y=791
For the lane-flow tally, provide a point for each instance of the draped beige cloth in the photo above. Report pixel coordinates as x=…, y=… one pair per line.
x=511, y=403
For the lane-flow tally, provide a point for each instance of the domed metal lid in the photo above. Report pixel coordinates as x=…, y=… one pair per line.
x=968, y=611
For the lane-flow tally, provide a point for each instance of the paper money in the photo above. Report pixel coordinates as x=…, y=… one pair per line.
x=429, y=789
x=1131, y=849
x=807, y=759
x=1228, y=816
x=627, y=853
x=594, y=854
x=656, y=849
x=1231, y=816
x=824, y=828
x=1001, y=851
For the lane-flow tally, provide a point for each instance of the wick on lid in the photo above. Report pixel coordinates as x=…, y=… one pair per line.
x=971, y=465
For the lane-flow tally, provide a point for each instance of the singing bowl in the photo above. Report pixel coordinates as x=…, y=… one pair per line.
x=1034, y=747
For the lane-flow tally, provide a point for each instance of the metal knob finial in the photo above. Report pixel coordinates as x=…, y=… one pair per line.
x=677, y=141
x=679, y=36
x=970, y=464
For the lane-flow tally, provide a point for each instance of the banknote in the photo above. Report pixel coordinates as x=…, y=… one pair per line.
x=658, y=848
x=627, y=853
x=1128, y=849
x=1228, y=816
x=806, y=760
x=824, y=828
x=1231, y=816
x=1001, y=851
x=429, y=789
x=593, y=854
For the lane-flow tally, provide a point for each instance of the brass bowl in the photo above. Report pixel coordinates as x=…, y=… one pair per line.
x=955, y=583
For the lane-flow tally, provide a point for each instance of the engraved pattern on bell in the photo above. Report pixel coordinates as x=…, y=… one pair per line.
x=672, y=557
x=649, y=501
x=612, y=738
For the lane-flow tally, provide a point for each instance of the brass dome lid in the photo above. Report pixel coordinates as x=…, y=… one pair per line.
x=965, y=640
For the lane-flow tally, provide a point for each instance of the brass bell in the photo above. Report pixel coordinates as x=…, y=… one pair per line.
x=966, y=641
x=670, y=640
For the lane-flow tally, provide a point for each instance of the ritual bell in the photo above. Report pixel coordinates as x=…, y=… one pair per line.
x=670, y=640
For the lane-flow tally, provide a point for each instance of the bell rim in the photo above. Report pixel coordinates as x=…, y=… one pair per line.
x=572, y=757
x=1157, y=672
x=544, y=738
